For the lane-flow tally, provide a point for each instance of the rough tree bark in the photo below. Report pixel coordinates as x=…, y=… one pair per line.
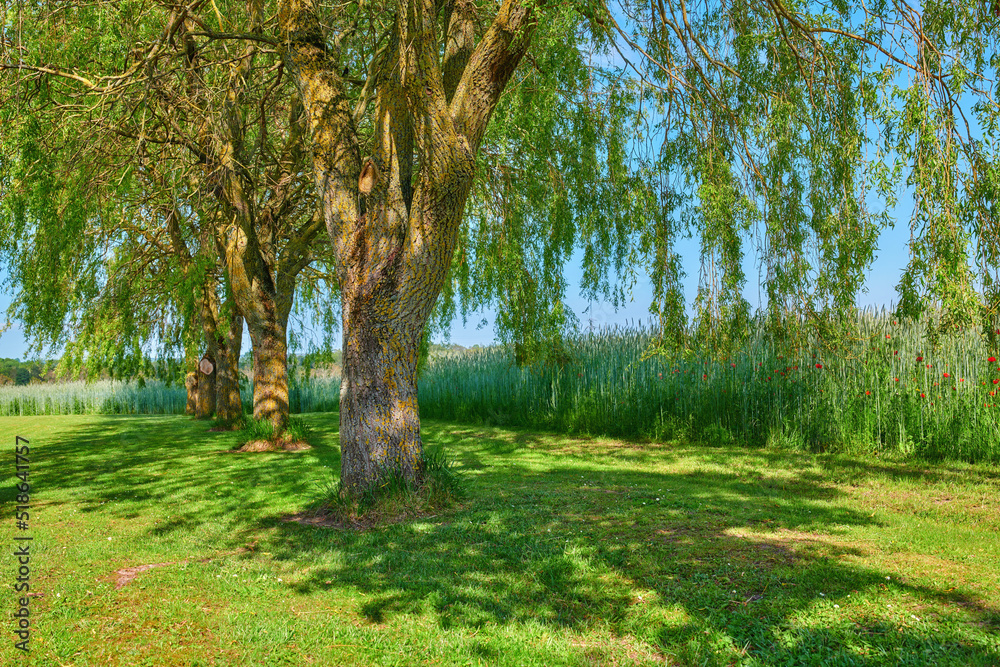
x=229, y=404
x=205, y=407
x=191, y=384
x=265, y=305
x=270, y=373
x=394, y=237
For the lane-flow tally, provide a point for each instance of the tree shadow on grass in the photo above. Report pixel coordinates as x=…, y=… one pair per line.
x=689, y=562
x=120, y=466
x=683, y=561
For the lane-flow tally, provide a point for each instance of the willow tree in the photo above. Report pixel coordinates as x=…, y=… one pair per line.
x=112, y=274
x=796, y=123
x=758, y=118
x=207, y=124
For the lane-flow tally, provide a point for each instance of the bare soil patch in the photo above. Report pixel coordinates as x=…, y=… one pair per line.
x=359, y=522
x=124, y=576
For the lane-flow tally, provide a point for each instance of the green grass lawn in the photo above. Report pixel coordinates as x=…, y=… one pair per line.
x=567, y=550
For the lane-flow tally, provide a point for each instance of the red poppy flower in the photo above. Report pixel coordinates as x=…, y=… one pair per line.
x=946, y=375
x=922, y=396
x=819, y=365
x=896, y=379
x=868, y=393
x=996, y=381
x=920, y=358
x=991, y=359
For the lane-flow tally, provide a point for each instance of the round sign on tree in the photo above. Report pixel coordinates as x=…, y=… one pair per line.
x=206, y=366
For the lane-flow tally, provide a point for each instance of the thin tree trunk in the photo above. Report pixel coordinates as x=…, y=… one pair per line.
x=191, y=384
x=229, y=405
x=206, y=384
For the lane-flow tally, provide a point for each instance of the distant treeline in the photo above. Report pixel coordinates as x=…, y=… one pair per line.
x=14, y=371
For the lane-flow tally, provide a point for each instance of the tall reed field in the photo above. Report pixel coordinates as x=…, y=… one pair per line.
x=104, y=397
x=153, y=397
x=108, y=397
x=899, y=387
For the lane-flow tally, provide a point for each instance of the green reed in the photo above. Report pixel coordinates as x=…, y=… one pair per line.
x=888, y=386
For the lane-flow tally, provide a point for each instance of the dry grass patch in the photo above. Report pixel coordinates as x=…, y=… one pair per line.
x=258, y=446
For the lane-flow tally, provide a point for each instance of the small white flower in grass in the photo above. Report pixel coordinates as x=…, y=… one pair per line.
x=914, y=617
x=888, y=579
x=836, y=606
x=279, y=578
x=109, y=539
x=822, y=595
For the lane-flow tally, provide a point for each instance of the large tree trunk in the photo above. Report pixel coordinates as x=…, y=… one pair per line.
x=379, y=419
x=394, y=239
x=270, y=373
x=265, y=305
x=229, y=404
